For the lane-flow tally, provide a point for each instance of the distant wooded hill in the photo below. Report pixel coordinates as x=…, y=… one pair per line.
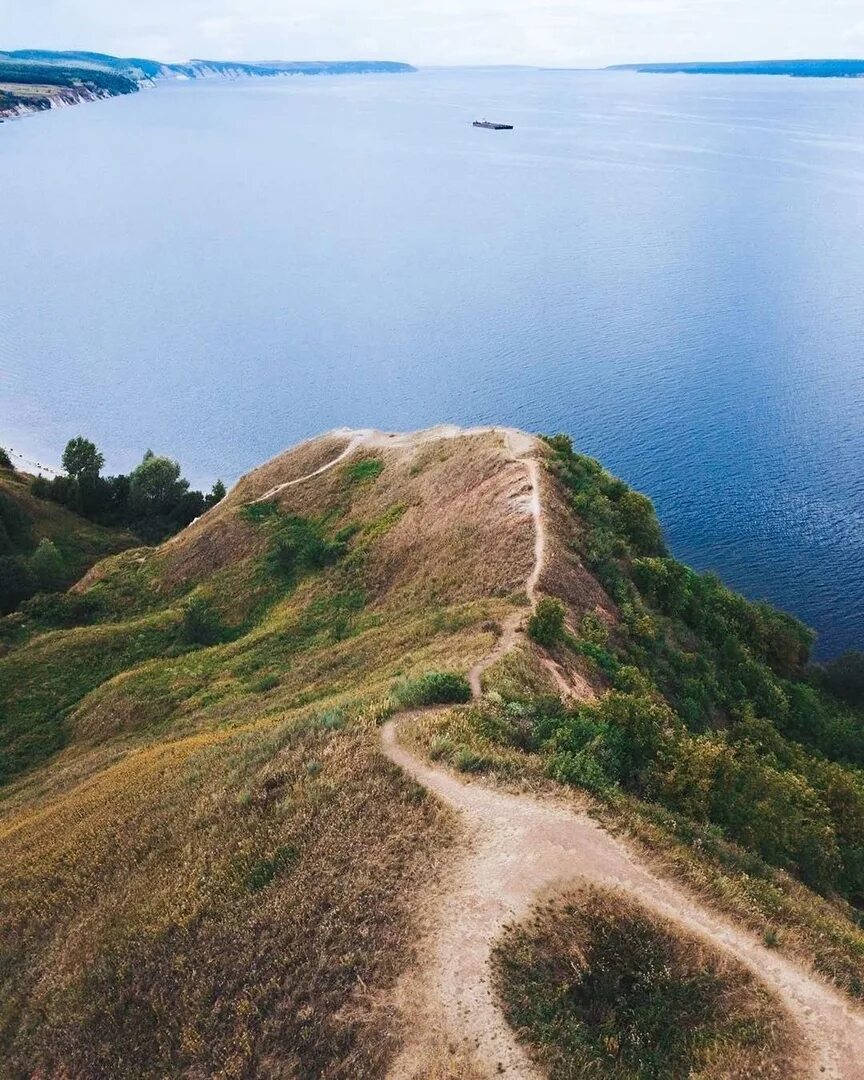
x=802, y=69
x=139, y=69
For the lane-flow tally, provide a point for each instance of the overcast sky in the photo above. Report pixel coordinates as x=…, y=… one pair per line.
x=554, y=32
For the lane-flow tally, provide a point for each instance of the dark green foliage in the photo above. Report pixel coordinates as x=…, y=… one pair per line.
x=433, y=688
x=299, y=547
x=81, y=458
x=201, y=623
x=17, y=582
x=6, y=461
x=48, y=566
x=601, y=988
x=716, y=715
x=154, y=500
x=36, y=74
x=844, y=678
x=258, y=512
x=16, y=535
x=54, y=611
x=546, y=625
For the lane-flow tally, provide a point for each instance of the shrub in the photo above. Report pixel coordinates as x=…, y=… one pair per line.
x=48, y=566
x=15, y=527
x=265, y=683
x=201, y=623
x=6, y=461
x=54, y=610
x=600, y=986
x=581, y=769
x=17, y=582
x=433, y=688
x=546, y=625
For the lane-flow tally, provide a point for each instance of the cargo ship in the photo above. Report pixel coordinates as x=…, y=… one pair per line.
x=492, y=127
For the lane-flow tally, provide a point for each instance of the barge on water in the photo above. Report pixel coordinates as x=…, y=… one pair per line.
x=492, y=127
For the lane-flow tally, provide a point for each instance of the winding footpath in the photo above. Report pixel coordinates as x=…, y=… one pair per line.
x=521, y=849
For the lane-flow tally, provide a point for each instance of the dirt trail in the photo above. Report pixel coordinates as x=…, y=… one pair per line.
x=522, y=848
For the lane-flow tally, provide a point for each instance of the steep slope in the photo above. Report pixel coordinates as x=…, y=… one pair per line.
x=220, y=866
x=26, y=521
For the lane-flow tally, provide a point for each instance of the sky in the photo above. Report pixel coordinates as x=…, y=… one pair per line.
x=566, y=33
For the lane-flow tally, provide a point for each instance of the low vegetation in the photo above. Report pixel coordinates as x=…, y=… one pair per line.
x=598, y=986
x=433, y=688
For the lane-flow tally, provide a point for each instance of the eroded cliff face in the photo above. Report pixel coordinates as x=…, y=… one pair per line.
x=22, y=101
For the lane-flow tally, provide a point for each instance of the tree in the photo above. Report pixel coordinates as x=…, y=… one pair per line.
x=81, y=458
x=156, y=486
x=48, y=566
x=6, y=461
x=217, y=494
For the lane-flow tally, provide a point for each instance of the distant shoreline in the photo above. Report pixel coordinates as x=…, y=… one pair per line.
x=796, y=69
x=35, y=80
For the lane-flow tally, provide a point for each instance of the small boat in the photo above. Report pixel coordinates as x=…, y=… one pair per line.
x=492, y=127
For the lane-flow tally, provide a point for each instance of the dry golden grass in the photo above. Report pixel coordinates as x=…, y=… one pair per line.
x=219, y=874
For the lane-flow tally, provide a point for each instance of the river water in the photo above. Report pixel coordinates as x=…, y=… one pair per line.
x=669, y=268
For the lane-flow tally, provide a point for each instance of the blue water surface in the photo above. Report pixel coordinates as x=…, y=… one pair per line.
x=669, y=268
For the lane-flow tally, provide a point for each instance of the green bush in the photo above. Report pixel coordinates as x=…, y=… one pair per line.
x=48, y=566
x=433, y=688
x=201, y=623
x=59, y=610
x=265, y=683
x=17, y=582
x=6, y=461
x=581, y=769
x=546, y=625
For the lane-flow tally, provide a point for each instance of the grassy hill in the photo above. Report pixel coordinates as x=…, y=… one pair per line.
x=211, y=869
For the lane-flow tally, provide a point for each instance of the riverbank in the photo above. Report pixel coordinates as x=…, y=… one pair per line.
x=20, y=101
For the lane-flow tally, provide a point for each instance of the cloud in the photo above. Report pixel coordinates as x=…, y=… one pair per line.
x=578, y=32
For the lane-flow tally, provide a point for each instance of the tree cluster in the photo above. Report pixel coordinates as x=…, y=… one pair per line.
x=154, y=500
